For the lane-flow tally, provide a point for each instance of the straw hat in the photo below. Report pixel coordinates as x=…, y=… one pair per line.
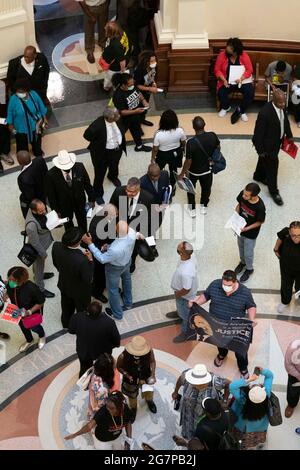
x=138, y=346
x=257, y=394
x=198, y=375
x=64, y=160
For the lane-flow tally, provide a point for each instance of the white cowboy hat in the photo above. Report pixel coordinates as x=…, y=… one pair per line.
x=198, y=375
x=64, y=160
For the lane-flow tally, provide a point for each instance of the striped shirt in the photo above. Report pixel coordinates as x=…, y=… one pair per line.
x=224, y=306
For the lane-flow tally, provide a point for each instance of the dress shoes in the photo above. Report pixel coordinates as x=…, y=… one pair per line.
x=147, y=123
x=116, y=182
x=103, y=299
x=48, y=275
x=277, y=199
x=91, y=58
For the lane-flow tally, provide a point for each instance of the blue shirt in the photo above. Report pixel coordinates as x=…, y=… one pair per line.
x=119, y=252
x=243, y=425
x=16, y=114
x=228, y=306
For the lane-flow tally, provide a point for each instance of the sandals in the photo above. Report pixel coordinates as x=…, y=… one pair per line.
x=219, y=361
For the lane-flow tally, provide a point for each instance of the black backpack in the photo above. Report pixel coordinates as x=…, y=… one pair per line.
x=228, y=440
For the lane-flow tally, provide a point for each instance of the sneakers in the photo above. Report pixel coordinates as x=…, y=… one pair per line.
x=91, y=58
x=143, y=148
x=244, y=117
x=245, y=374
x=203, y=209
x=223, y=112
x=42, y=342
x=239, y=268
x=192, y=213
x=246, y=275
x=48, y=294
x=25, y=346
x=147, y=123
x=281, y=308
x=152, y=406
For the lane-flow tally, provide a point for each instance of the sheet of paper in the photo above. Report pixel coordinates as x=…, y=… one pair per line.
x=236, y=223
x=147, y=388
x=235, y=73
x=54, y=221
x=3, y=121
x=296, y=384
x=89, y=213
x=150, y=241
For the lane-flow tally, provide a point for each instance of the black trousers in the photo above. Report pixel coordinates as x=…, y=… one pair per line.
x=247, y=91
x=288, y=279
x=242, y=361
x=39, y=330
x=267, y=169
x=168, y=158
x=133, y=123
x=109, y=160
x=206, y=184
x=80, y=215
x=24, y=207
x=36, y=143
x=99, y=280
x=68, y=307
x=292, y=393
x=4, y=140
x=85, y=364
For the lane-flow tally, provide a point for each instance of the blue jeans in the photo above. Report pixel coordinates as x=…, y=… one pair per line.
x=183, y=311
x=246, y=248
x=113, y=275
x=247, y=90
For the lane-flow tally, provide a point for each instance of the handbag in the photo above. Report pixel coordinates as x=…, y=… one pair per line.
x=103, y=64
x=32, y=320
x=28, y=253
x=84, y=381
x=217, y=160
x=145, y=251
x=274, y=411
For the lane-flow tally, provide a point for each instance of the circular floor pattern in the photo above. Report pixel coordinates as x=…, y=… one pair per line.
x=42, y=3
x=64, y=406
x=69, y=59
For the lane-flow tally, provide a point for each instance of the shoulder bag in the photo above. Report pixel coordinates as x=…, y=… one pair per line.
x=28, y=253
x=217, y=160
x=274, y=411
x=84, y=381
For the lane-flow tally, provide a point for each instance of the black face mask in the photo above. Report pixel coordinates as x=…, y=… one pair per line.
x=228, y=54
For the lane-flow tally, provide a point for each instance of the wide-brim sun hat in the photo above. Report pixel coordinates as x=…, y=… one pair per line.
x=64, y=160
x=257, y=394
x=198, y=375
x=138, y=346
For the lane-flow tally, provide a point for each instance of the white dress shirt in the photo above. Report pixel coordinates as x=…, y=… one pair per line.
x=135, y=201
x=28, y=67
x=114, y=136
x=280, y=115
x=26, y=166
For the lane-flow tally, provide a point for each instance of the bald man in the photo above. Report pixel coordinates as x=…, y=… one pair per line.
x=117, y=260
x=31, y=179
x=272, y=125
x=33, y=66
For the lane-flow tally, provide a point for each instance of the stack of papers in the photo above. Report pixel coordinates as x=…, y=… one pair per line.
x=54, y=221
x=185, y=184
x=235, y=73
x=236, y=223
x=150, y=241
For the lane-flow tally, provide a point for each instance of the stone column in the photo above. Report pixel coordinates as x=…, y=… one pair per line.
x=16, y=30
x=190, y=32
x=166, y=21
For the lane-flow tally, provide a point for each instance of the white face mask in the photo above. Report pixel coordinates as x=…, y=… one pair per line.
x=153, y=66
x=227, y=288
x=21, y=95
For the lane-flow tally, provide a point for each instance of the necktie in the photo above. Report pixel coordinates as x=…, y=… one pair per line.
x=68, y=180
x=281, y=124
x=155, y=184
x=130, y=207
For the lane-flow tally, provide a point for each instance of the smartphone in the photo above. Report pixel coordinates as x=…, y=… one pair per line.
x=256, y=371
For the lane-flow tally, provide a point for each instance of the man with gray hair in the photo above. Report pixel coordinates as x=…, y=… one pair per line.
x=134, y=206
x=107, y=143
x=185, y=285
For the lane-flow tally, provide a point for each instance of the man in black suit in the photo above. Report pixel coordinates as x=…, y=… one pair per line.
x=156, y=182
x=272, y=125
x=134, y=206
x=101, y=236
x=31, y=179
x=96, y=333
x=107, y=143
x=75, y=274
x=66, y=185
x=34, y=67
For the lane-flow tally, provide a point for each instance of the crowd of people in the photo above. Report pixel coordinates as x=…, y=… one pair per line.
x=104, y=255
